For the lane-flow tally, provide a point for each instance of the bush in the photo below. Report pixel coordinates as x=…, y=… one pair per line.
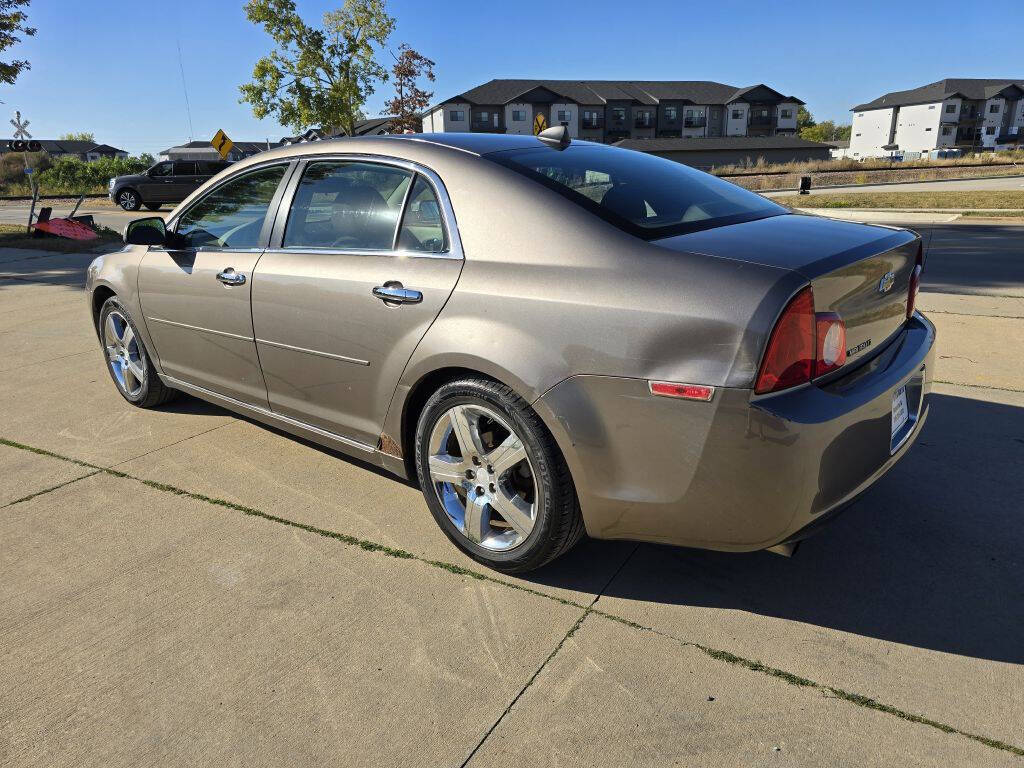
x=74, y=176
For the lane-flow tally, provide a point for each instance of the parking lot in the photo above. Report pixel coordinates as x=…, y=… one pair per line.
x=184, y=586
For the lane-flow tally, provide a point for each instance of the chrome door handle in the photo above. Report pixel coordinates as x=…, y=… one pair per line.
x=230, y=277
x=394, y=293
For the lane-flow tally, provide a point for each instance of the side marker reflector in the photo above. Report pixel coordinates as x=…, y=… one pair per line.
x=683, y=391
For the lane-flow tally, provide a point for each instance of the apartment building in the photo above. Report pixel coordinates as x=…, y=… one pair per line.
x=971, y=114
x=614, y=110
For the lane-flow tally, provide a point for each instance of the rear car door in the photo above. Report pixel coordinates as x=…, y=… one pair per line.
x=184, y=180
x=195, y=297
x=364, y=255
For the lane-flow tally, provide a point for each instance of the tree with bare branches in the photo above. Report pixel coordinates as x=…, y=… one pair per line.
x=409, y=100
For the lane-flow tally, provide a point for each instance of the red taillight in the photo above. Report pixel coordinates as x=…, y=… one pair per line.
x=915, y=282
x=803, y=346
x=831, y=331
x=789, y=359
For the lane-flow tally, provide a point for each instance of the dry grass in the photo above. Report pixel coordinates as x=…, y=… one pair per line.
x=871, y=164
x=985, y=200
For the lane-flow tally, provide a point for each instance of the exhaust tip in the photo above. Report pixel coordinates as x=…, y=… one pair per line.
x=787, y=549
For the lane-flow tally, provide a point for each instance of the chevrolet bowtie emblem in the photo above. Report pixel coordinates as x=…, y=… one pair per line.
x=886, y=283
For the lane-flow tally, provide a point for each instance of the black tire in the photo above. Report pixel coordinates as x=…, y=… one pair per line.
x=557, y=525
x=128, y=199
x=152, y=206
x=151, y=391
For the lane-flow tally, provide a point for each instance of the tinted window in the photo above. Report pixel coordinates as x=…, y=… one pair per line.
x=347, y=205
x=231, y=216
x=184, y=168
x=160, y=169
x=642, y=194
x=422, y=229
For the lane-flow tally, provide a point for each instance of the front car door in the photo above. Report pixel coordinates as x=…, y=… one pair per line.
x=364, y=255
x=155, y=187
x=195, y=297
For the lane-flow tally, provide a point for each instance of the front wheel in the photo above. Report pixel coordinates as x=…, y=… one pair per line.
x=127, y=362
x=494, y=478
x=129, y=199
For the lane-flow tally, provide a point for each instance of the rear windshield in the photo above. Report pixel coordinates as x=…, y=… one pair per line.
x=645, y=195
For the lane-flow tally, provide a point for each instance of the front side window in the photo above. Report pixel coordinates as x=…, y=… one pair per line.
x=232, y=215
x=422, y=229
x=161, y=169
x=645, y=195
x=347, y=205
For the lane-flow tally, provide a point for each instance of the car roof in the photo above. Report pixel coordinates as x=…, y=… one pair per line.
x=477, y=143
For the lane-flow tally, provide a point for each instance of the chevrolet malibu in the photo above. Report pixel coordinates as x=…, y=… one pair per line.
x=551, y=336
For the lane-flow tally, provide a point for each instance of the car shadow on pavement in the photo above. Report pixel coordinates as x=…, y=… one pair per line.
x=932, y=556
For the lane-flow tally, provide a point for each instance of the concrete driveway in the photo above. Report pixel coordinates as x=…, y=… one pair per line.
x=182, y=586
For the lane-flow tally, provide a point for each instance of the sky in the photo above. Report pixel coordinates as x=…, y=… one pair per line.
x=112, y=68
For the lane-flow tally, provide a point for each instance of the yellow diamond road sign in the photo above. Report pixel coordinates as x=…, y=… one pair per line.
x=539, y=123
x=222, y=144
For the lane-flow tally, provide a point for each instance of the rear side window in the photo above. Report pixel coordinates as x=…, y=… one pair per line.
x=645, y=195
x=232, y=215
x=347, y=205
x=422, y=229
x=184, y=168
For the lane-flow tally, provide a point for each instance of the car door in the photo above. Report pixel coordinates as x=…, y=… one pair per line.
x=196, y=295
x=184, y=180
x=155, y=185
x=364, y=255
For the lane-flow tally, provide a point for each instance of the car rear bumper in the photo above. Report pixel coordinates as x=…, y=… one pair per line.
x=740, y=472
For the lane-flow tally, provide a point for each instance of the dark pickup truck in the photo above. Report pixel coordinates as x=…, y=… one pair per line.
x=170, y=181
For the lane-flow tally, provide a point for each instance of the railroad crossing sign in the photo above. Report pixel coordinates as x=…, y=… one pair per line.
x=20, y=127
x=222, y=144
x=540, y=123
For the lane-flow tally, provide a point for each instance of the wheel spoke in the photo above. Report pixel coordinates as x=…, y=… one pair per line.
x=128, y=337
x=506, y=455
x=476, y=520
x=465, y=425
x=135, y=366
x=111, y=332
x=514, y=510
x=447, y=469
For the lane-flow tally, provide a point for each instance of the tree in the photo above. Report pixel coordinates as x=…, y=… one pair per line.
x=12, y=22
x=826, y=131
x=79, y=136
x=409, y=100
x=317, y=75
x=804, y=119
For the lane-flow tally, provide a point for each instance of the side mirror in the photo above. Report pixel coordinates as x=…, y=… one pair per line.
x=148, y=231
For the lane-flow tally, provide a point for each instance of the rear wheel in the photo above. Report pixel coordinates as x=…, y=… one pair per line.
x=493, y=477
x=129, y=199
x=127, y=362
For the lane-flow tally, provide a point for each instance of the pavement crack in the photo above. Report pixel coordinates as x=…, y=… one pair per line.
x=534, y=676
x=372, y=546
x=50, y=489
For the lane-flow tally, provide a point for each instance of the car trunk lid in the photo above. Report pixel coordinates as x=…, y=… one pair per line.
x=860, y=272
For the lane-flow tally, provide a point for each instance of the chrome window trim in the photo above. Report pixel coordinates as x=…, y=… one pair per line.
x=454, y=241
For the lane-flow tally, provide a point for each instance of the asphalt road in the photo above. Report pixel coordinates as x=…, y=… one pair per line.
x=182, y=586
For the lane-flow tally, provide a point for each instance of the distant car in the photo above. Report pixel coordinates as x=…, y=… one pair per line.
x=548, y=335
x=170, y=181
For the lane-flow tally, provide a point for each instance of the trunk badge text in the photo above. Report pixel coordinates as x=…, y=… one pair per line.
x=886, y=283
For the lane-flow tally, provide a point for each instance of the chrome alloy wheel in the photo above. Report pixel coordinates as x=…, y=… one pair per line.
x=483, y=477
x=124, y=354
x=128, y=200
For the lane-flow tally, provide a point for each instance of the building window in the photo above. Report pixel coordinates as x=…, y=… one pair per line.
x=495, y=119
x=950, y=109
x=591, y=119
x=993, y=109
x=564, y=116
x=787, y=114
x=990, y=131
x=618, y=114
x=457, y=115
x=737, y=114
x=643, y=119
x=927, y=129
x=931, y=106
x=856, y=134
x=518, y=115
x=946, y=130
x=671, y=113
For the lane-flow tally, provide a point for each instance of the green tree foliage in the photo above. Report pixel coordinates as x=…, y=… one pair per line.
x=78, y=136
x=12, y=25
x=317, y=76
x=826, y=131
x=804, y=119
x=409, y=99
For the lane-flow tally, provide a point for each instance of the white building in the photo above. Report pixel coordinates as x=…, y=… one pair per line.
x=972, y=115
